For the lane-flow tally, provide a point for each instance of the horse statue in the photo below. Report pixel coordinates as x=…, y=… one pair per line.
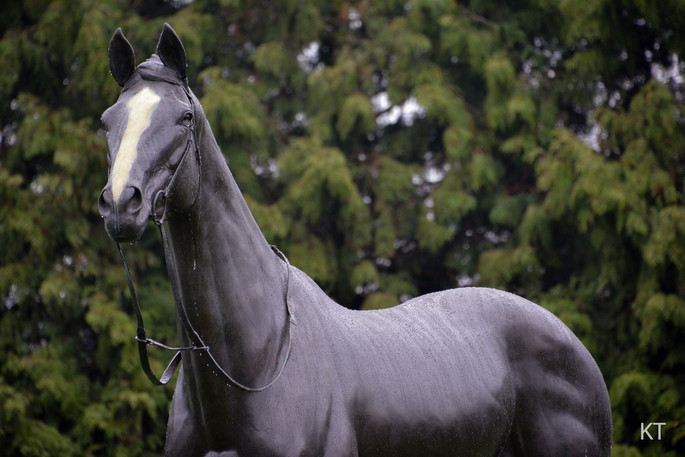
x=274, y=367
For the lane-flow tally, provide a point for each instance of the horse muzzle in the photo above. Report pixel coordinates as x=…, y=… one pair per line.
x=125, y=219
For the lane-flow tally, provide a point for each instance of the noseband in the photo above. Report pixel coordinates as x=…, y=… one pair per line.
x=197, y=343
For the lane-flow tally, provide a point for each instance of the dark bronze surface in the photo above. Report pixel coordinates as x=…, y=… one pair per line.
x=463, y=372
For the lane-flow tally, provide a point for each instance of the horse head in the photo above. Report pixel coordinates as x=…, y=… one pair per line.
x=150, y=130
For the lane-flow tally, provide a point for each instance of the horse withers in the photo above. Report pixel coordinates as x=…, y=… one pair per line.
x=274, y=367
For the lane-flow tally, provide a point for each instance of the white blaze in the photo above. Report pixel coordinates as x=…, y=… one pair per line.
x=139, y=112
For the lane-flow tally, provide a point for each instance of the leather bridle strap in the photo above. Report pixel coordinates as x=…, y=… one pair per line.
x=144, y=341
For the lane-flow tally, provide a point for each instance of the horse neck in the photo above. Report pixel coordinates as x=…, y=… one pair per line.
x=232, y=284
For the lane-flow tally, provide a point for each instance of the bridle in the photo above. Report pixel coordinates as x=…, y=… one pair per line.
x=197, y=343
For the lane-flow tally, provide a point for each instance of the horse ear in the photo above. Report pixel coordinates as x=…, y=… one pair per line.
x=122, y=58
x=171, y=51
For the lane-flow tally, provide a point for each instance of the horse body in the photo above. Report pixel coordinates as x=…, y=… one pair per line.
x=467, y=372
x=464, y=372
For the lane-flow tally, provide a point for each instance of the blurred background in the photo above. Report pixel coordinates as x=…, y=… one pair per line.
x=389, y=148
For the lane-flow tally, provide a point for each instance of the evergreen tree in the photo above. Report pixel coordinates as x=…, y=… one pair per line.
x=390, y=149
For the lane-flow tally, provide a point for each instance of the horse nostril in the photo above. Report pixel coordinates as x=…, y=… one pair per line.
x=135, y=204
x=105, y=202
x=130, y=202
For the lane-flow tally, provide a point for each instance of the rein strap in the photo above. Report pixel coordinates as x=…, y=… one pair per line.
x=144, y=341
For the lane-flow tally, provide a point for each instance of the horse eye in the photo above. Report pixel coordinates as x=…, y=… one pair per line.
x=187, y=117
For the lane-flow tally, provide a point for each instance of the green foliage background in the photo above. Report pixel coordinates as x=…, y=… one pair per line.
x=390, y=148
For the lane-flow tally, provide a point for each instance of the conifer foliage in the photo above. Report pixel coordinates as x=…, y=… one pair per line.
x=390, y=149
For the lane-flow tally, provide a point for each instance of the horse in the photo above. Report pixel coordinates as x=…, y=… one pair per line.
x=274, y=367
